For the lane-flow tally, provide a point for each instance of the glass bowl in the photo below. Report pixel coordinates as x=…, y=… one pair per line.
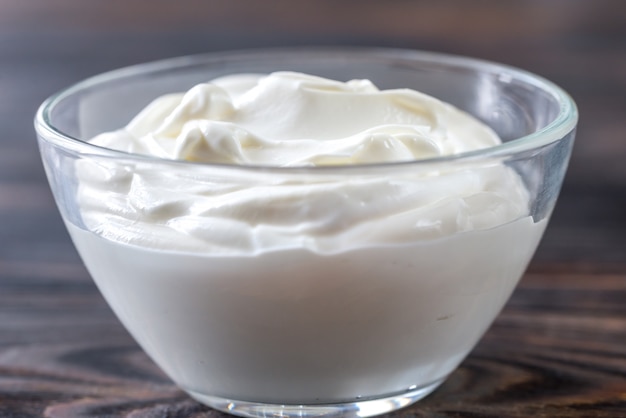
x=351, y=323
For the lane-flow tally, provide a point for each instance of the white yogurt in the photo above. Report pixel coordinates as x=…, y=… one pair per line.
x=291, y=119
x=322, y=289
x=294, y=326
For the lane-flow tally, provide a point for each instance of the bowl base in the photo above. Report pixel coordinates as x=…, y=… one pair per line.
x=359, y=409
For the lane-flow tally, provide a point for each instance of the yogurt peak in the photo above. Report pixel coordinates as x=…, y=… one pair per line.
x=294, y=119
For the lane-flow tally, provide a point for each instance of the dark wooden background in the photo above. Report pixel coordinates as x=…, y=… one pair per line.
x=557, y=350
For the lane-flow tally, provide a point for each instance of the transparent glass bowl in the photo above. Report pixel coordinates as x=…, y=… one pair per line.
x=367, y=327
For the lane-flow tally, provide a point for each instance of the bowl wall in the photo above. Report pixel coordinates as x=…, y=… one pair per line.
x=337, y=319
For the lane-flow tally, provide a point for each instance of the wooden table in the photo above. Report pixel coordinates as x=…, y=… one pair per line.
x=559, y=347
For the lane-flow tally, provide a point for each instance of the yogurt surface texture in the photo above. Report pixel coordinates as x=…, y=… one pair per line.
x=292, y=120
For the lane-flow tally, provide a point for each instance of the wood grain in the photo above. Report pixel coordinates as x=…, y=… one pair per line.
x=557, y=350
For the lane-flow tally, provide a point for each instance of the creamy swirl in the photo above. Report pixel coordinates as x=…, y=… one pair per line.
x=293, y=119
x=290, y=119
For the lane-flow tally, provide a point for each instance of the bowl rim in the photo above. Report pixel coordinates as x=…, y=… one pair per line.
x=564, y=123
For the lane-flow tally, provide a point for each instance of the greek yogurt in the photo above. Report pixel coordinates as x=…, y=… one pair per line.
x=316, y=284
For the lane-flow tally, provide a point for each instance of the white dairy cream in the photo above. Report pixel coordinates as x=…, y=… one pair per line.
x=293, y=119
x=296, y=327
x=290, y=119
x=309, y=287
